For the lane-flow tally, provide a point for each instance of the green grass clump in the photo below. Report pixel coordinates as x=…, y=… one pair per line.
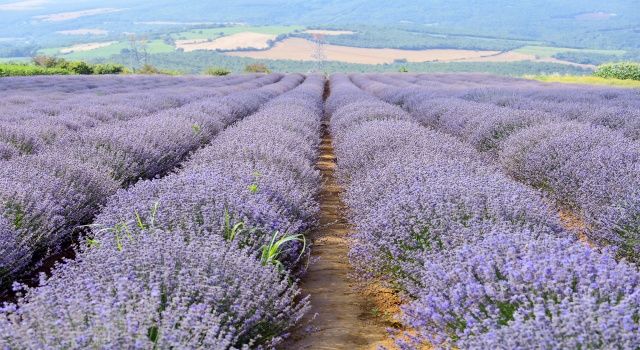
x=216, y=71
x=270, y=253
x=621, y=70
x=256, y=68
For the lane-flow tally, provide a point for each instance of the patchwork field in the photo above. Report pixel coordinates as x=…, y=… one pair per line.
x=299, y=49
x=303, y=50
x=272, y=43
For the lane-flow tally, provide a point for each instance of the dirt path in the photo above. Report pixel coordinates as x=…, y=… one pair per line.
x=341, y=317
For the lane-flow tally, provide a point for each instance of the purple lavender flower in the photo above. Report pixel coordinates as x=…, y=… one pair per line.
x=47, y=195
x=160, y=290
x=512, y=291
x=180, y=281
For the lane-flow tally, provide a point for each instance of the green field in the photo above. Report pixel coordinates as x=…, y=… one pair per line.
x=154, y=46
x=159, y=46
x=549, y=51
x=213, y=33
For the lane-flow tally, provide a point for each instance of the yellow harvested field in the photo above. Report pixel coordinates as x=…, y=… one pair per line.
x=231, y=42
x=328, y=32
x=302, y=50
x=65, y=16
x=84, y=31
x=86, y=47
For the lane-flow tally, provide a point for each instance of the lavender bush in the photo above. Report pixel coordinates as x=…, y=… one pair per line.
x=43, y=198
x=48, y=195
x=511, y=291
x=33, y=125
x=593, y=171
x=189, y=272
x=159, y=291
x=12, y=255
x=483, y=257
x=22, y=141
x=7, y=151
x=577, y=150
x=260, y=172
x=403, y=204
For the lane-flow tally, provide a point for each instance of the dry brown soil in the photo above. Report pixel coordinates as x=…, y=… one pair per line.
x=229, y=42
x=575, y=224
x=344, y=314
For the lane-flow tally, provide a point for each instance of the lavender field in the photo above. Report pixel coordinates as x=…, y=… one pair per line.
x=146, y=212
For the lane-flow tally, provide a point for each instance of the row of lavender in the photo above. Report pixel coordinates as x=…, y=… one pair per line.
x=46, y=196
x=482, y=259
x=584, y=158
x=618, y=109
x=33, y=119
x=188, y=261
x=101, y=85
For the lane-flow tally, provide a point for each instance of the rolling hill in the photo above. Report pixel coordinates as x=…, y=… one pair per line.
x=577, y=23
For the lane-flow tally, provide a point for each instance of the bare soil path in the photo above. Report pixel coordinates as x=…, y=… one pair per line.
x=342, y=316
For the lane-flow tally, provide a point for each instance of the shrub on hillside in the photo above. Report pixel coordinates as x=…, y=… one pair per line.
x=622, y=70
x=77, y=67
x=14, y=70
x=257, y=68
x=148, y=69
x=46, y=61
x=151, y=69
x=217, y=71
x=108, y=68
